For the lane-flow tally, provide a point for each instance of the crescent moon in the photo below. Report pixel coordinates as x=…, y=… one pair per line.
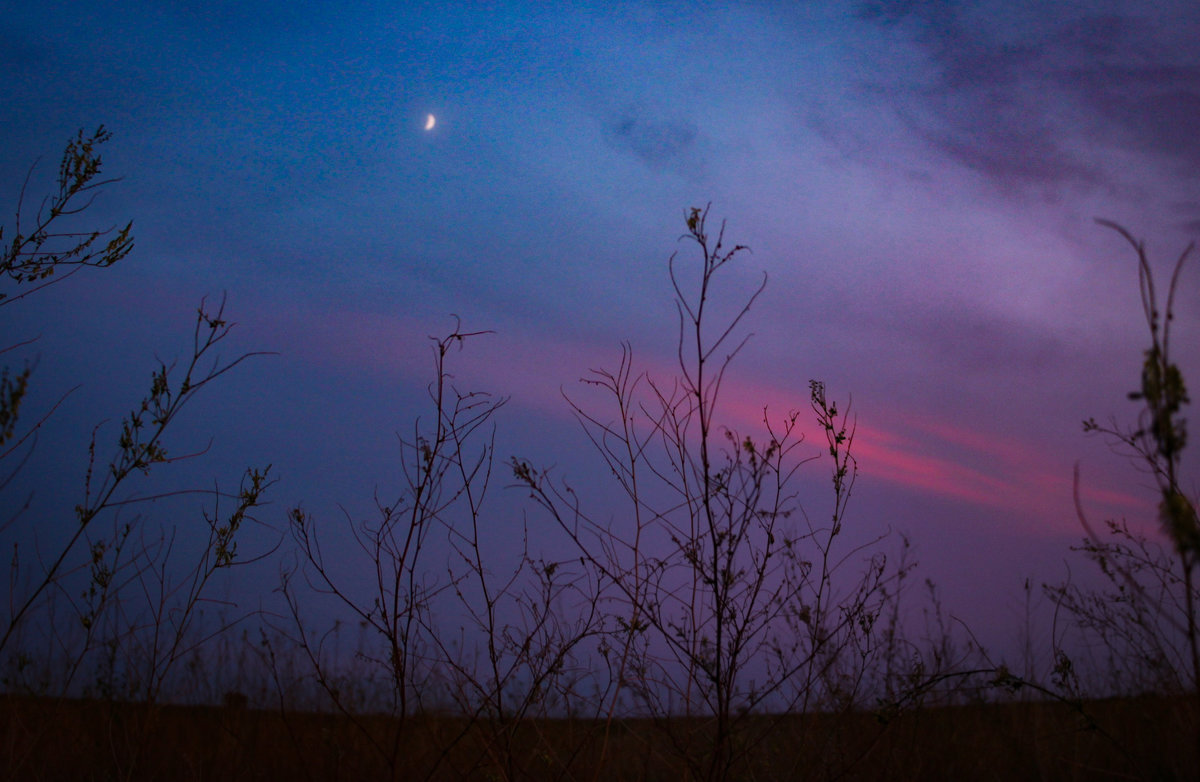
x=430, y=121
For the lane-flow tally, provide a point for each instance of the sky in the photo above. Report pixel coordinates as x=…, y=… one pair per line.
x=918, y=181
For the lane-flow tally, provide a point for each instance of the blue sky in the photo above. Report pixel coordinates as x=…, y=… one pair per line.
x=918, y=180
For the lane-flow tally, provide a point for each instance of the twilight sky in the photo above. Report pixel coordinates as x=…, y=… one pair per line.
x=917, y=179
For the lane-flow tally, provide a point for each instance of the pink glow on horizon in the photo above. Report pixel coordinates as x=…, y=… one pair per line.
x=925, y=455
x=533, y=369
x=920, y=453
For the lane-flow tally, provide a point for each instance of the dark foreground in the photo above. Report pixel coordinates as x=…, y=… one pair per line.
x=46, y=739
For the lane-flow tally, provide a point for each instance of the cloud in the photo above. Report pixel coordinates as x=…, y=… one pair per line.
x=979, y=342
x=657, y=144
x=1010, y=154
x=1159, y=119
x=1042, y=104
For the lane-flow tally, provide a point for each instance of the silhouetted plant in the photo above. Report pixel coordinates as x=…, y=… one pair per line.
x=48, y=252
x=1138, y=633
x=115, y=603
x=140, y=447
x=518, y=657
x=719, y=608
x=43, y=254
x=1154, y=603
x=443, y=479
x=728, y=598
x=1135, y=626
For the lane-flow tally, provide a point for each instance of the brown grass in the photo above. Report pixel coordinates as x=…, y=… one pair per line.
x=49, y=739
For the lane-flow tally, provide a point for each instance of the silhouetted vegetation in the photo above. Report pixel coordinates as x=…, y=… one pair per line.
x=716, y=624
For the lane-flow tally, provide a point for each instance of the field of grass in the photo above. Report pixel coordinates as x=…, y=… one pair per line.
x=1144, y=738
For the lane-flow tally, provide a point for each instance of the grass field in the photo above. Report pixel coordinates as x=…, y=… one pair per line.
x=50, y=739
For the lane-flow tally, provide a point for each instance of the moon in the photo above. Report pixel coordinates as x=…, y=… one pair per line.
x=430, y=121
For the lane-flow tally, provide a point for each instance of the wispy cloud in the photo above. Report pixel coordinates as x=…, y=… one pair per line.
x=1015, y=109
x=658, y=144
x=926, y=455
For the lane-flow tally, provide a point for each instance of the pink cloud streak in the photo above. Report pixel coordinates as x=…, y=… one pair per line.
x=918, y=453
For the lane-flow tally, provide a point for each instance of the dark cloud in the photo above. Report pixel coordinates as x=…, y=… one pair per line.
x=1155, y=110
x=1187, y=215
x=977, y=110
x=1030, y=111
x=1011, y=155
x=892, y=12
x=657, y=144
x=965, y=56
x=976, y=342
x=1098, y=36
